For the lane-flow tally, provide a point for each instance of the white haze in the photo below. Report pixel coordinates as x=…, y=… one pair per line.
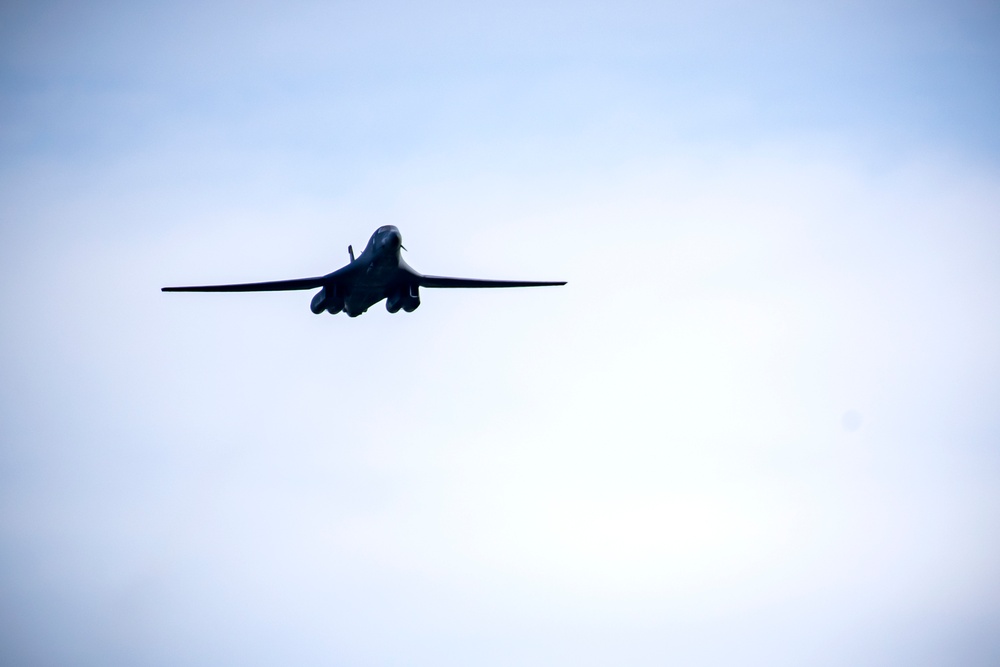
x=758, y=426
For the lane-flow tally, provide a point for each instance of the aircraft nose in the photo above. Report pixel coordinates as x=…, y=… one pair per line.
x=392, y=238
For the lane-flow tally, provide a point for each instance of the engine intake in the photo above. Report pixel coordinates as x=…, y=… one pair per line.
x=408, y=299
x=324, y=300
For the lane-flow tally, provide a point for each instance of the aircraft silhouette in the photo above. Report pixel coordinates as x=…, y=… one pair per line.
x=378, y=273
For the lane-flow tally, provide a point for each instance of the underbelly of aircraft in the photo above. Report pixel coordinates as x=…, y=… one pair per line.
x=370, y=288
x=361, y=299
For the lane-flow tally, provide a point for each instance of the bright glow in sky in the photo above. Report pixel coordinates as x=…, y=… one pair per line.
x=758, y=427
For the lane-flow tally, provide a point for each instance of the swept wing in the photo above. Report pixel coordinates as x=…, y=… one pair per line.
x=341, y=274
x=441, y=281
x=272, y=286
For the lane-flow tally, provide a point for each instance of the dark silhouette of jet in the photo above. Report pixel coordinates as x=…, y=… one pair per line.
x=378, y=273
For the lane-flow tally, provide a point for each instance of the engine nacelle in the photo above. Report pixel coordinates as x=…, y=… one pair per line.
x=394, y=302
x=318, y=304
x=407, y=299
x=331, y=303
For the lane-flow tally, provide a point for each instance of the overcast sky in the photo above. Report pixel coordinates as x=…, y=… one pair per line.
x=759, y=426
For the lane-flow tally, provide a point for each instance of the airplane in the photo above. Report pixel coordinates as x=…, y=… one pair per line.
x=379, y=272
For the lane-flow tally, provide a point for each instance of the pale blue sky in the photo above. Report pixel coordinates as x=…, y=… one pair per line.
x=778, y=222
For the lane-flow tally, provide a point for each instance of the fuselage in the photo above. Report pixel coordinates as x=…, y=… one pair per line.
x=381, y=259
x=379, y=272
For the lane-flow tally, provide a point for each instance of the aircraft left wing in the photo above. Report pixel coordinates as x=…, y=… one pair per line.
x=441, y=281
x=273, y=286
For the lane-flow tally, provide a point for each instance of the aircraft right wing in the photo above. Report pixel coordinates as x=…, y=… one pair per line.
x=273, y=286
x=440, y=281
x=338, y=276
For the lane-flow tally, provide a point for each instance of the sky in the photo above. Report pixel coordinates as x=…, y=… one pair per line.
x=757, y=427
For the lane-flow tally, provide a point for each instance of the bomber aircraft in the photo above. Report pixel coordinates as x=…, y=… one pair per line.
x=379, y=272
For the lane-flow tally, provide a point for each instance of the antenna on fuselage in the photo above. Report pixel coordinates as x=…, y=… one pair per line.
x=350, y=251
